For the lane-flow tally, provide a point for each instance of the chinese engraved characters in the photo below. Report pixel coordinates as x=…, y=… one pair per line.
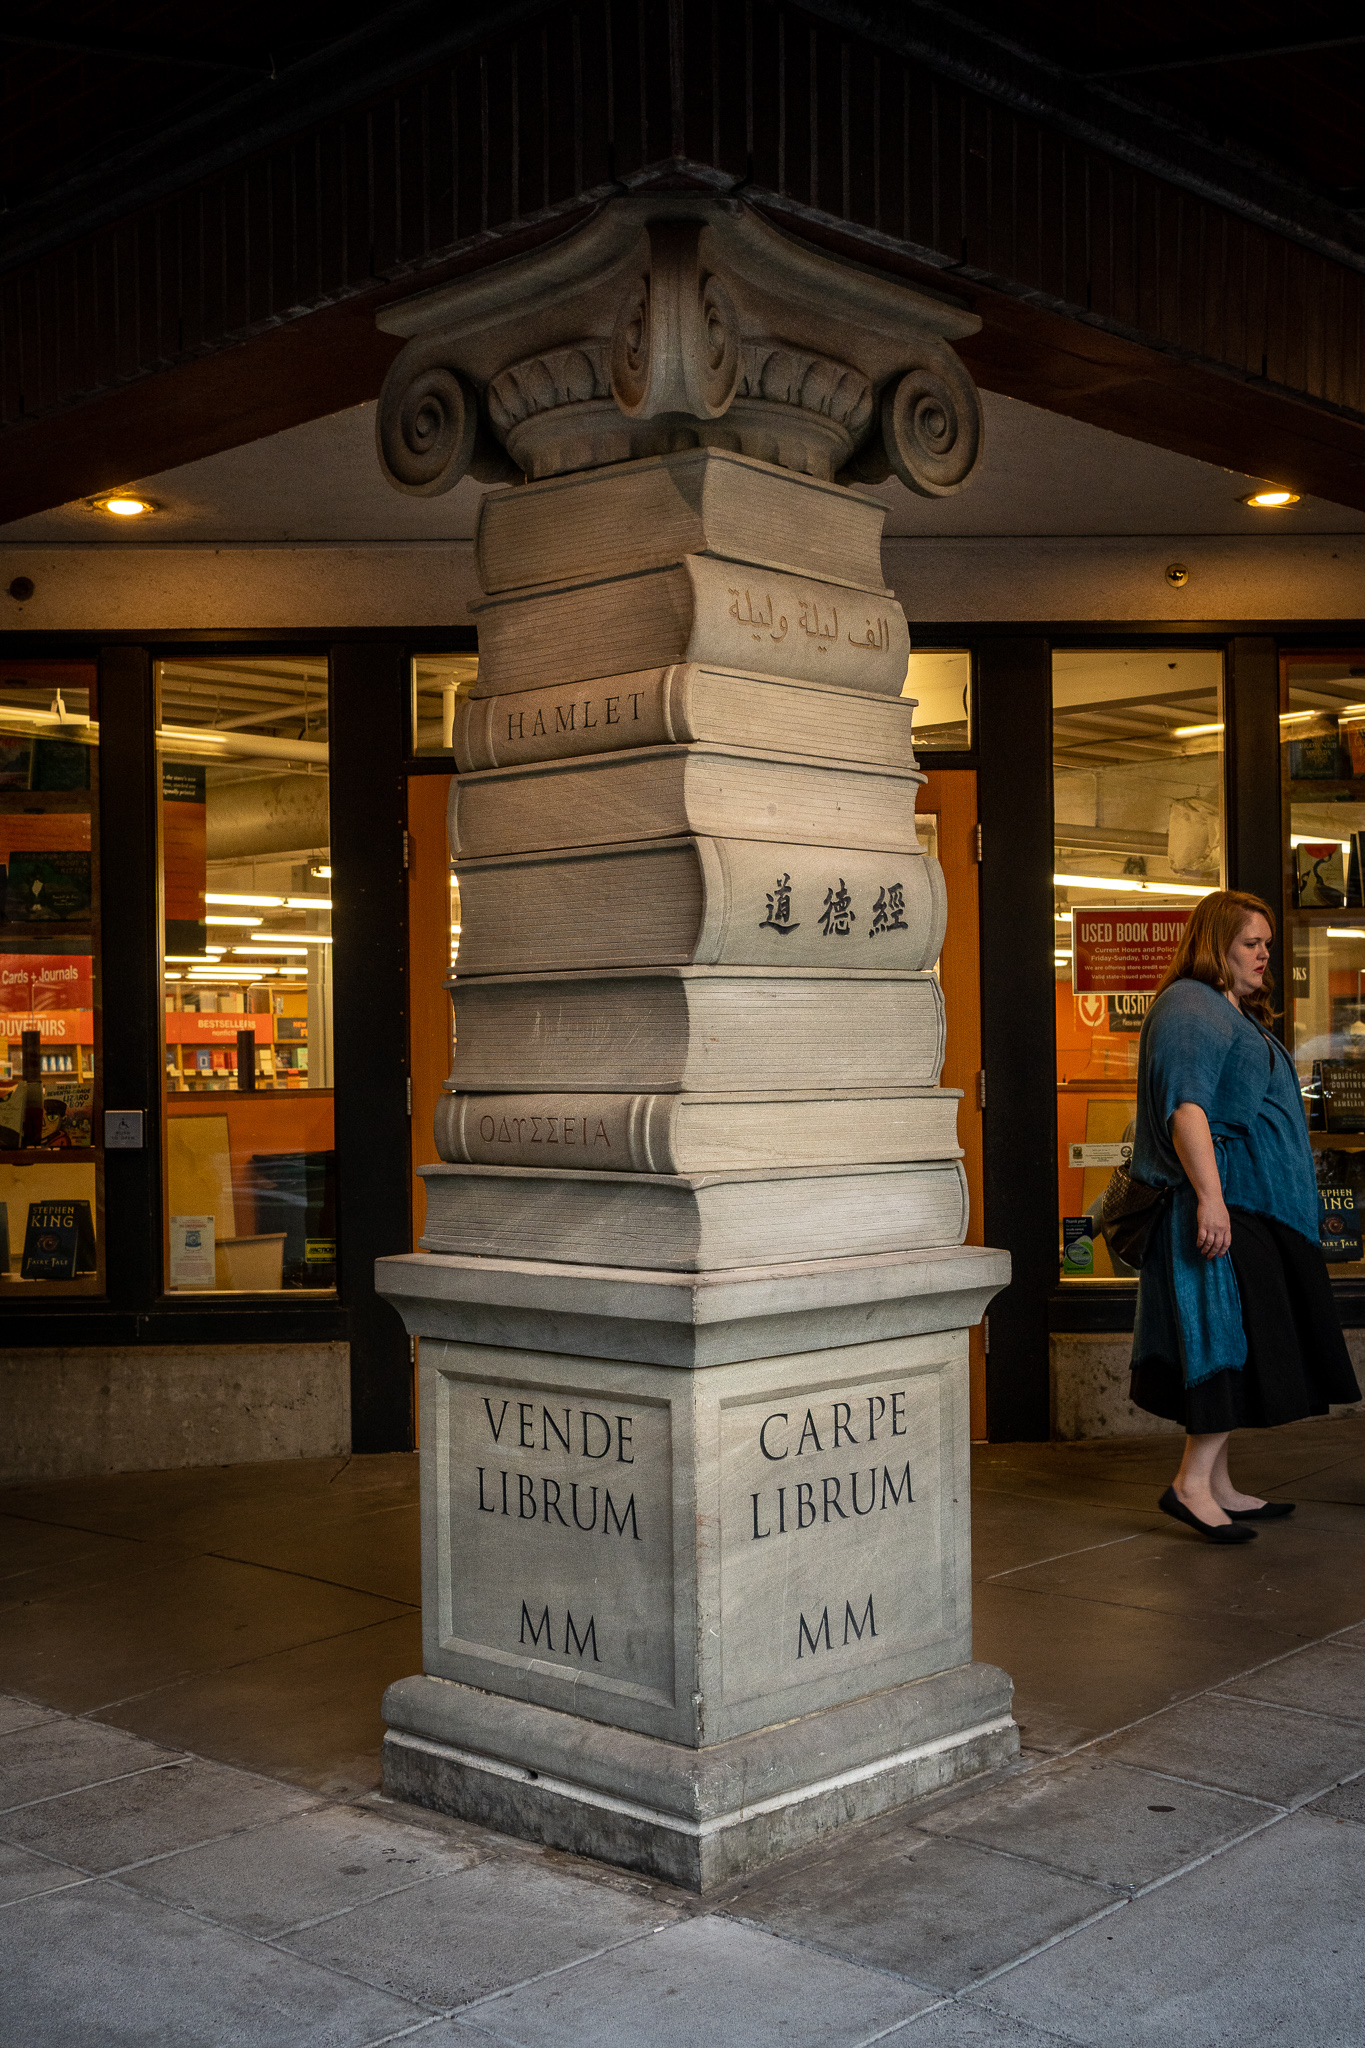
x=839, y=914
x=888, y=912
x=779, y=918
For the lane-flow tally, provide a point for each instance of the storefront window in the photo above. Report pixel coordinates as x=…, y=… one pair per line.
x=1137, y=805
x=438, y=683
x=940, y=680
x=1322, y=755
x=246, y=880
x=51, y=1157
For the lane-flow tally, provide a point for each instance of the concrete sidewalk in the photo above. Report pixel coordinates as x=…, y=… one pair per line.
x=192, y=1849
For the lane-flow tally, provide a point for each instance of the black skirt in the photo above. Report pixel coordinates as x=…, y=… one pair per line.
x=1297, y=1363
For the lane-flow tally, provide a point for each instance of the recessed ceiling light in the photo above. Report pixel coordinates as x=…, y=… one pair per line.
x=1271, y=499
x=123, y=504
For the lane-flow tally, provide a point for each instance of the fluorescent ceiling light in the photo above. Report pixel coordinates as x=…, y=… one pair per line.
x=307, y=902
x=321, y=870
x=215, y=745
x=296, y=939
x=252, y=947
x=1129, y=882
x=1190, y=732
x=216, y=917
x=1338, y=931
x=250, y=902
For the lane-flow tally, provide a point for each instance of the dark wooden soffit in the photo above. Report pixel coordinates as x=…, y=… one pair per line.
x=244, y=303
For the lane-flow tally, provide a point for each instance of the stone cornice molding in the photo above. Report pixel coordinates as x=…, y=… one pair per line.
x=672, y=321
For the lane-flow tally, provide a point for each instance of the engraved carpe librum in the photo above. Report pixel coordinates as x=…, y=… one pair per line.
x=831, y=1537
x=559, y=1517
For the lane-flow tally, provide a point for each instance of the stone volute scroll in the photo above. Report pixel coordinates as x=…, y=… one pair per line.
x=693, y=1291
x=688, y=323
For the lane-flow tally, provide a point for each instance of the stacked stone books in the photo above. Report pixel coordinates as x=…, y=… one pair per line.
x=696, y=1020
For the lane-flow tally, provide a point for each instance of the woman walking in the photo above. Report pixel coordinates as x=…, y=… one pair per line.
x=1236, y=1327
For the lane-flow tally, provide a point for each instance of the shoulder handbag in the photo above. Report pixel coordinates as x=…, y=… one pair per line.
x=1130, y=1212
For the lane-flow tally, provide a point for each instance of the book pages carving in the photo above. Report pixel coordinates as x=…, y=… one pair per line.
x=693, y=1293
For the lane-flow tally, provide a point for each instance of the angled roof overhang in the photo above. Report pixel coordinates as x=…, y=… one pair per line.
x=230, y=285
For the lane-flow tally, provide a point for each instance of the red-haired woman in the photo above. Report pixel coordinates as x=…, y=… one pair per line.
x=1236, y=1327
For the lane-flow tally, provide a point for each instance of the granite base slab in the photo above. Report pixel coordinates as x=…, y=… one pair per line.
x=693, y=1817
x=691, y=1320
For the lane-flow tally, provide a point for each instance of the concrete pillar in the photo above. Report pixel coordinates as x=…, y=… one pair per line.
x=693, y=1298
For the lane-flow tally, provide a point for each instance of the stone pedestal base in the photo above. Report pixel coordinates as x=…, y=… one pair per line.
x=692, y=1817
x=695, y=1552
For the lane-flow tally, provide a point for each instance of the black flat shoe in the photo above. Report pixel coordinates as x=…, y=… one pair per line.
x=1215, y=1532
x=1268, y=1511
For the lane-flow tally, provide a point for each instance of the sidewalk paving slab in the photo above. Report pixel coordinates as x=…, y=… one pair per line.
x=61, y=1755
x=1117, y=1825
x=23, y=1875
x=103, y=1827
x=308, y=1713
x=307, y=1867
x=707, y=1980
x=1242, y=1745
x=99, y=1967
x=1259, y=1946
x=940, y=1911
x=455, y=1938
x=1321, y=1679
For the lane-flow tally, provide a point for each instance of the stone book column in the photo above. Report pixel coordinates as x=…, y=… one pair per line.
x=693, y=1297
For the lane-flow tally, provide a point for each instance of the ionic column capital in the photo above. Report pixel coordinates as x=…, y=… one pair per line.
x=674, y=321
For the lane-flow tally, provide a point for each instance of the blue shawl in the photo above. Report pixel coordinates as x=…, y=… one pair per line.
x=1196, y=1047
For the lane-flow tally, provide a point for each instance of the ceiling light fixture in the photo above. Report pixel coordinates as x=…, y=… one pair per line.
x=1189, y=732
x=123, y=504
x=1128, y=882
x=217, y=917
x=249, y=902
x=1337, y=931
x=1272, y=499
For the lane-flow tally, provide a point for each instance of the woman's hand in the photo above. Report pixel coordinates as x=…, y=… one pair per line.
x=1193, y=1143
x=1214, y=1233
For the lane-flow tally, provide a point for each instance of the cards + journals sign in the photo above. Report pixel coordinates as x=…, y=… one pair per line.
x=1120, y=951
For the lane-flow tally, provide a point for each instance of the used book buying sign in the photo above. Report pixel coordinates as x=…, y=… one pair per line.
x=1120, y=951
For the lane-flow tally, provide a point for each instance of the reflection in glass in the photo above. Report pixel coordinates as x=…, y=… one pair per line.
x=940, y=680
x=51, y=1161
x=1137, y=803
x=1322, y=755
x=247, y=908
x=438, y=683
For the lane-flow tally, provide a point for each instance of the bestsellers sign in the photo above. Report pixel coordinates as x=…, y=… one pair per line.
x=1119, y=951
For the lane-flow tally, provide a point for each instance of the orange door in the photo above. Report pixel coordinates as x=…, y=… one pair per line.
x=949, y=796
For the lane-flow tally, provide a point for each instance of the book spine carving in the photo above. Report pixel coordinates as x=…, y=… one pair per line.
x=688, y=872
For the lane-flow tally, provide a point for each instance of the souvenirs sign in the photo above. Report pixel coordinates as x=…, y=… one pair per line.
x=1123, y=951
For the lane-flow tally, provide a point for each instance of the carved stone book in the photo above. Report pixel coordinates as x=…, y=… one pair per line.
x=697, y=1133
x=702, y=901
x=693, y=1222
x=658, y=792
x=720, y=613
x=682, y=703
x=710, y=1029
x=646, y=514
